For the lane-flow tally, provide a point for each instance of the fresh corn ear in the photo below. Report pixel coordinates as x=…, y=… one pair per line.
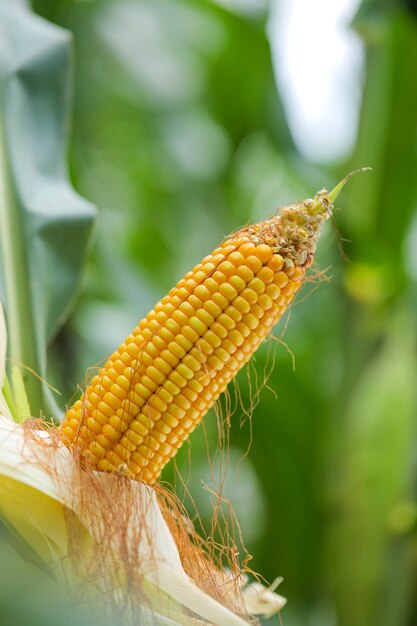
x=155, y=389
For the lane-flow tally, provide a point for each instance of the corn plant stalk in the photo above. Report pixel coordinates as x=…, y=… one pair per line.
x=22, y=336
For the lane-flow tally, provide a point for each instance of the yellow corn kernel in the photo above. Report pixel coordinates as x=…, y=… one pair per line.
x=174, y=353
x=202, y=292
x=242, y=303
x=219, y=330
x=244, y=272
x=266, y=275
x=192, y=363
x=273, y=291
x=220, y=300
x=173, y=326
x=236, y=258
x=190, y=395
x=197, y=325
x=212, y=308
x=238, y=283
x=250, y=320
x=281, y=279
x=142, y=391
x=214, y=362
x=185, y=342
x=219, y=277
x=275, y=262
x=257, y=311
x=155, y=375
x=176, y=411
x=111, y=400
x=254, y=263
x=179, y=317
x=195, y=302
x=222, y=353
x=263, y=252
x=211, y=285
x=228, y=291
x=236, y=337
x=186, y=308
x=185, y=371
x=233, y=313
x=165, y=334
x=265, y=302
x=164, y=394
x=289, y=288
x=158, y=404
x=205, y=317
x=178, y=378
x=189, y=333
x=227, y=268
x=226, y=321
x=195, y=385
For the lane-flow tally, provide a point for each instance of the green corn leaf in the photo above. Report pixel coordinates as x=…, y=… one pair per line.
x=44, y=224
x=386, y=138
x=371, y=558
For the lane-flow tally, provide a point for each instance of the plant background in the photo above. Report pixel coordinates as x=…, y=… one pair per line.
x=181, y=134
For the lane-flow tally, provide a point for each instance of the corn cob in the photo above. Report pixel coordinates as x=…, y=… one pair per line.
x=154, y=390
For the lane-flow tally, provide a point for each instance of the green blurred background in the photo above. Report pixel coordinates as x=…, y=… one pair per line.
x=187, y=125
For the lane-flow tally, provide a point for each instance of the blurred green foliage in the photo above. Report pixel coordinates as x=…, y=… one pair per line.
x=179, y=137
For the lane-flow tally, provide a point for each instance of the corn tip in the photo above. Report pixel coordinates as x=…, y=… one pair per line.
x=336, y=190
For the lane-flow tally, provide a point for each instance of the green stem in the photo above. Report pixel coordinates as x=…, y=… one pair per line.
x=335, y=192
x=22, y=347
